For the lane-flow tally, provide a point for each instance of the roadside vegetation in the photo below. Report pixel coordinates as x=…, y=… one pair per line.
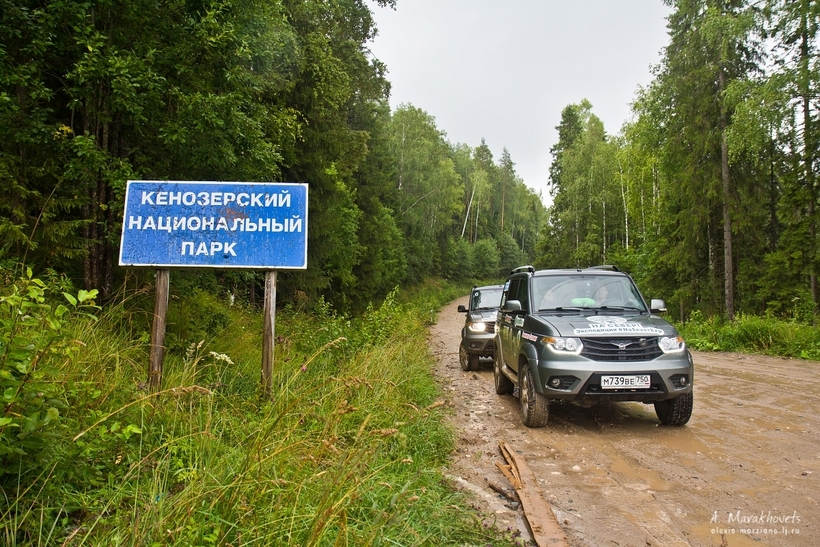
x=753, y=334
x=349, y=451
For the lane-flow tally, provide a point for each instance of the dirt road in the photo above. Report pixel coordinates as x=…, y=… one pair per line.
x=746, y=466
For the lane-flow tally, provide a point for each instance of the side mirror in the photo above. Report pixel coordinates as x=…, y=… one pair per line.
x=657, y=306
x=462, y=308
x=511, y=306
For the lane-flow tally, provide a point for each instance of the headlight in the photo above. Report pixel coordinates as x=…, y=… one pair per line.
x=564, y=345
x=477, y=327
x=669, y=344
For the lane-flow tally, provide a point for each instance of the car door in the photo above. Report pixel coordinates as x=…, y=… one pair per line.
x=522, y=295
x=505, y=319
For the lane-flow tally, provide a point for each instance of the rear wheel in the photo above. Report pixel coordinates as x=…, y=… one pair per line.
x=675, y=411
x=503, y=385
x=535, y=408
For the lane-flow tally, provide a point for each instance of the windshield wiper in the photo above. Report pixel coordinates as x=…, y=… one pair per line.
x=621, y=308
x=561, y=308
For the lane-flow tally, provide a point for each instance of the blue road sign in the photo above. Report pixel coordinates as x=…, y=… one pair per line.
x=248, y=225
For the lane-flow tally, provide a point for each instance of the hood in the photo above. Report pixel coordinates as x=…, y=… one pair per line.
x=483, y=315
x=609, y=325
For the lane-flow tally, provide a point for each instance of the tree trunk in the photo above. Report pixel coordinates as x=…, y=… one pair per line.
x=773, y=186
x=625, y=203
x=808, y=148
x=603, y=208
x=477, y=211
x=503, y=196
x=467, y=216
x=728, y=266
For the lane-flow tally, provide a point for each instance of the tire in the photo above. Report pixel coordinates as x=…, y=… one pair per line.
x=468, y=361
x=463, y=358
x=535, y=408
x=503, y=385
x=675, y=411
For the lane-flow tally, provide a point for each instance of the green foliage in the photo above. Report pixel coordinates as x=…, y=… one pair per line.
x=708, y=197
x=488, y=260
x=348, y=450
x=754, y=334
x=94, y=94
x=587, y=214
x=510, y=255
x=33, y=315
x=193, y=316
x=460, y=260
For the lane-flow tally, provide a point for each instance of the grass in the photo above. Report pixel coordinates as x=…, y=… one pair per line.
x=349, y=451
x=753, y=334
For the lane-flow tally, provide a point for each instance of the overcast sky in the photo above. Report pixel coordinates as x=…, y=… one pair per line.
x=503, y=70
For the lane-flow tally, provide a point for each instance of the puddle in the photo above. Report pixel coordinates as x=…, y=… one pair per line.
x=651, y=478
x=684, y=441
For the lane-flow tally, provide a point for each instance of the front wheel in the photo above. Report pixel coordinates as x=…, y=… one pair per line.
x=675, y=411
x=535, y=408
x=462, y=358
x=503, y=385
x=467, y=361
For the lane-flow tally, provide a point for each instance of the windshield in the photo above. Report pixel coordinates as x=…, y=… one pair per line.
x=485, y=299
x=556, y=292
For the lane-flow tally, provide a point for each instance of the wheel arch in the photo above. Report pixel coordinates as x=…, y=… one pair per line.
x=528, y=357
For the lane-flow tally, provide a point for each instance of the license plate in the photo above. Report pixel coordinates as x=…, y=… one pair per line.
x=638, y=381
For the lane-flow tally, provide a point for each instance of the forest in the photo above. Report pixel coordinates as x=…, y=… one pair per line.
x=707, y=195
x=93, y=94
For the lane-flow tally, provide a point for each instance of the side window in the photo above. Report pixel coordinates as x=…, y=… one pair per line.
x=524, y=294
x=475, y=301
x=511, y=292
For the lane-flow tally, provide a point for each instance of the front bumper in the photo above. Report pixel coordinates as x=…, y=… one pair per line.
x=671, y=375
x=481, y=344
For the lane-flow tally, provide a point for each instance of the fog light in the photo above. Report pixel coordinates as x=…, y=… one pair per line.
x=555, y=382
x=680, y=380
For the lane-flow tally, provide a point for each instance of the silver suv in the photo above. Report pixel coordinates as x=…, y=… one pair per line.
x=588, y=336
x=478, y=332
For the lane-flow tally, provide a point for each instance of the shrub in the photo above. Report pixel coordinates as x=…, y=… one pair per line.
x=33, y=314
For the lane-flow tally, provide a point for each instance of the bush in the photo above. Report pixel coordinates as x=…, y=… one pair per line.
x=33, y=314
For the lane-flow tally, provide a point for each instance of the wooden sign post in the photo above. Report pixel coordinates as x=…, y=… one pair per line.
x=158, y=330
x=269, y=330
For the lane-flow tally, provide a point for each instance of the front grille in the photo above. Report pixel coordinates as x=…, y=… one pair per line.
x=621, y=349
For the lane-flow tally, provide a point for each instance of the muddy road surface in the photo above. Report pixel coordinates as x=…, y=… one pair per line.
x=743, y=472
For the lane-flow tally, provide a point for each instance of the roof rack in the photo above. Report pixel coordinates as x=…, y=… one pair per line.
x=520, y=269
x=610, y=267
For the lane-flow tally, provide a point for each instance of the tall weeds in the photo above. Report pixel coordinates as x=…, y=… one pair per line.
x=348, y=451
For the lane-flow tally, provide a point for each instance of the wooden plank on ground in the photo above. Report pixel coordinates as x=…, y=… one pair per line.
x=544, y=526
